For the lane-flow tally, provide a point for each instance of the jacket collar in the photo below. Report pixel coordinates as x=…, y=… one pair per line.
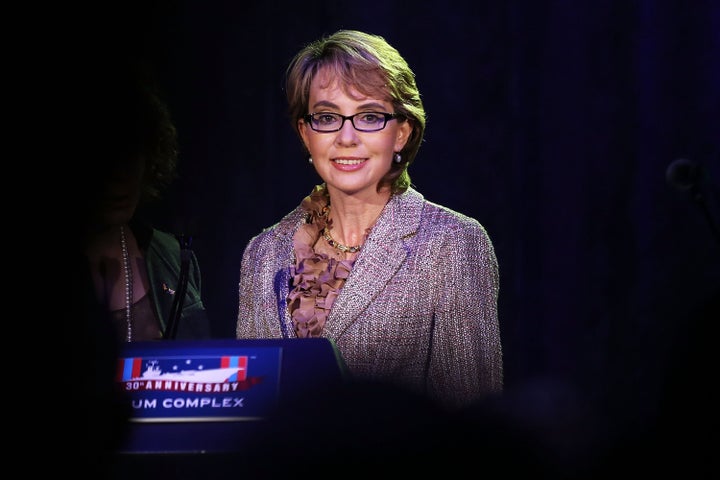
x=382, y=255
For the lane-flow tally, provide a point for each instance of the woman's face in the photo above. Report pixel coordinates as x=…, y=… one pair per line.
x=351, y=161
x=119, y=192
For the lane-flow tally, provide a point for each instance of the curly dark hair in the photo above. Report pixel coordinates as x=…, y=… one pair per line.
x=124, y=117
x=143, y=127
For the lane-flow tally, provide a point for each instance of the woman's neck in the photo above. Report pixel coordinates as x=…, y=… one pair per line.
x=352, y=217
x=105, y=240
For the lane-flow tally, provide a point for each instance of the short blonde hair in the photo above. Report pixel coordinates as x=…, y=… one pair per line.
x=369, y=64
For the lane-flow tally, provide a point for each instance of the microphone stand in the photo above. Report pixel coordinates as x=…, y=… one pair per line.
x=180, y=293
x=683, y=174
x=699, y=199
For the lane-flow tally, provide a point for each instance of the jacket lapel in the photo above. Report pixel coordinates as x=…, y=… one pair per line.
x=382, y=255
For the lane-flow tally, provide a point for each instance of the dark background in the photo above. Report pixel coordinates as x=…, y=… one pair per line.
x=551, y=122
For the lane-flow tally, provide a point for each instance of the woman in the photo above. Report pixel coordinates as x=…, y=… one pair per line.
x=406, y=289
x=142, y=278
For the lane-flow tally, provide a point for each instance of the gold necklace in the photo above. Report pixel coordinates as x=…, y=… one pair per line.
x=339, y=246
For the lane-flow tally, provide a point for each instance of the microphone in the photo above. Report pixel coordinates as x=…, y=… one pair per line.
x=687, y=175
x=683, y=174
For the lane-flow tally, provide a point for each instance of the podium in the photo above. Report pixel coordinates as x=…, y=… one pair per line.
x=196, y=403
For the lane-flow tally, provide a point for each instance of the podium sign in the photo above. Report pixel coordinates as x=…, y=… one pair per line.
x=200, y=384
x=200, y=396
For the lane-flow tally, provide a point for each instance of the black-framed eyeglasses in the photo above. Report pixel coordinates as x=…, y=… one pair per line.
x=327, y=122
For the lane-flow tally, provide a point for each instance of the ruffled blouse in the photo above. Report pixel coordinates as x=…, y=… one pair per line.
x=317, y=277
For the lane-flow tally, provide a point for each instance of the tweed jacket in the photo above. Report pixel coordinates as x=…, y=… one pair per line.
x=418, y=310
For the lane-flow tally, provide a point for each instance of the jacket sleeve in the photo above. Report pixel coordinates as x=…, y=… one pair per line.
x=466, y=361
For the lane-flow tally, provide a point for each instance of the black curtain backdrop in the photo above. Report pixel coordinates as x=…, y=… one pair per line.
x=551, y=122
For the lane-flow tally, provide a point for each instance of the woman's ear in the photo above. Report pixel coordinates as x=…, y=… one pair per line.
x=302, y=131
x=404, y=131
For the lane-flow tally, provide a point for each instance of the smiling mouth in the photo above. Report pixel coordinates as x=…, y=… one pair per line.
x=345, y=161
